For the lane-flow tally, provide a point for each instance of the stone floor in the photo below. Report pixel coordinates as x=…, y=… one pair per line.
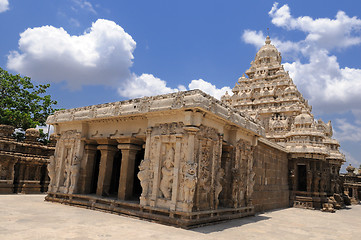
x=29, y=217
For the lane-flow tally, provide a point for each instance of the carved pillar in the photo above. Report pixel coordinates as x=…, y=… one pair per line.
x=126, y=178
x=147, y=150
x=177, y=157
x=87, y=167
x=105, y=169
x=156, y=170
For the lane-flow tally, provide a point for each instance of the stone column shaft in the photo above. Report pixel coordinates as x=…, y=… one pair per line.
x=87, y=166
x=105, y=169
x=126, y=179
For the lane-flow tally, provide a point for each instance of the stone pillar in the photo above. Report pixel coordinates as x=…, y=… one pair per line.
x=177, y=158
x=105, y=168
x=129, y=152
x=87, y=166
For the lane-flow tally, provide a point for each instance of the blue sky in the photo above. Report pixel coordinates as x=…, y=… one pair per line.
x=103, y=51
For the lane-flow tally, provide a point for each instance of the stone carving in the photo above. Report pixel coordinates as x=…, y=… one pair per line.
x=190, y=180
x=3, y=171
x=74, y=170
x=236, y=189
x=144, y=176
x=168, y=129
x=51, y=172
x=167, y=174
x=218, y=187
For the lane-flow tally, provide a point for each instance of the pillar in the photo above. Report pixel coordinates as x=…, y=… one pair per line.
x=126, y=179
x=105, y=169
x=87, y=166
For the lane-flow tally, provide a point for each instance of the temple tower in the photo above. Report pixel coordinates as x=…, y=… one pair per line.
x=269, y=95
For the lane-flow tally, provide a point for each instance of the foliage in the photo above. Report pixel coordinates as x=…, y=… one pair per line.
x=22, y=104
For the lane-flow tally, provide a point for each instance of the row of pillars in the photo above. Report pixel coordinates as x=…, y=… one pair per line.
x=129, y=152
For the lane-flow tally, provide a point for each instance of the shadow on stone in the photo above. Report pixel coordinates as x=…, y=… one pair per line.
x=229, y=224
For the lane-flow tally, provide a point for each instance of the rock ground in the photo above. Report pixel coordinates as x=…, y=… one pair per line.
x=30, y=217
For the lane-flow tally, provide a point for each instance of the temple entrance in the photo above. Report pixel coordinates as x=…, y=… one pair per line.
x=137, y=188
x=302, y=178
x=114, y=182
x=95, y=174
x=16, y=177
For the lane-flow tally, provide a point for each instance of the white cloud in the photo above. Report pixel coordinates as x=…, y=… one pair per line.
x=209, y=88
x=149, y=85
x=347, y=131
x=145, y=85
x=102, y=55
x=341, y=32
x=85, y=5
x=350, y=159
x=4, y=5
x=257, y=39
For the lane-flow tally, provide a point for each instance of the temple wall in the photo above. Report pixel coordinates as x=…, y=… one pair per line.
x=271, y=181
x=23, y=165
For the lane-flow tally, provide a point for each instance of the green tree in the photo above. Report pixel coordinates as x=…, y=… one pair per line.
x=22, y=104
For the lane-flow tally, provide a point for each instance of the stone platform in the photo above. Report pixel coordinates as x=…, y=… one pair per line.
x=163, y=216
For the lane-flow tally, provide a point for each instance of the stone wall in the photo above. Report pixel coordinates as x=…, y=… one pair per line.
x=271, y=179
x=23, y=165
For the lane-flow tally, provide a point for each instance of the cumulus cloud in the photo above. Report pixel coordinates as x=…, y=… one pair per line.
x=102, y=55
x=145, y=85
x=347, y=131
x=341, y=32
x=209, y=88
x=4, y=5
x=149, y=85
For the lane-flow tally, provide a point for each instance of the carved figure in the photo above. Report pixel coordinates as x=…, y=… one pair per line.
x=51, y=172
x=143, y=176
x=190, y=180
x=167, y=175
x=74, y=169
x=218, y=188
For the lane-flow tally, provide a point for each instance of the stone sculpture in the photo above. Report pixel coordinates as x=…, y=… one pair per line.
x=143, y=176
x=167, y=174
x=190, y=179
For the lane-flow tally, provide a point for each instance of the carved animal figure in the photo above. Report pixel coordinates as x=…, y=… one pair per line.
x=190, y=180
x=143, y=176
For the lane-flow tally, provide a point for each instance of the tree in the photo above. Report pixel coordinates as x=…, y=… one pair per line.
x=22, y=104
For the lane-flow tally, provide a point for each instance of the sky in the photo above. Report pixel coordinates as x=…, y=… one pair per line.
x=94, y=52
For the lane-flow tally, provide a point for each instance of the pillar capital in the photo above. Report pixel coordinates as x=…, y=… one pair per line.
x=129, y=146
x=106, y=147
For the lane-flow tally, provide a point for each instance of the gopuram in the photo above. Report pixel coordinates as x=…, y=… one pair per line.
x=188, y=159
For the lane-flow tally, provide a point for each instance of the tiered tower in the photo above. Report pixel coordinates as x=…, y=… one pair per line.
x=270, y=97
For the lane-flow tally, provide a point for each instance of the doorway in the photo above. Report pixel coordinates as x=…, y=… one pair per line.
x=114, y=182
x=302, y=178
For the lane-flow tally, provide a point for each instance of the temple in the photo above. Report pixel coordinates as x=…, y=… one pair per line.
x=188, y=159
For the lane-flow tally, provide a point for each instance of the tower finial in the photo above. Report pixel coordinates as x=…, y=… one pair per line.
x=268, y=40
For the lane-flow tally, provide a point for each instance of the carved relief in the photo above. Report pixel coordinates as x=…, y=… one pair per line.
x=218, y=187
x=168, y=129
x=144, y=176
x=190, y=180
x=74, y=169
x=4, y=171
x=51, y=172
x=167, y=174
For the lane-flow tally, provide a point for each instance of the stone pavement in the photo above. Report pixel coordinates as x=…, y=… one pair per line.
x=29, y=217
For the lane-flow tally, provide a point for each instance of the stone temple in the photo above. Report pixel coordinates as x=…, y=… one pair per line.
x=188, y=159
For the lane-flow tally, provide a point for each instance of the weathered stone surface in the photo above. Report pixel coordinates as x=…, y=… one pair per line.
x=23, y=165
